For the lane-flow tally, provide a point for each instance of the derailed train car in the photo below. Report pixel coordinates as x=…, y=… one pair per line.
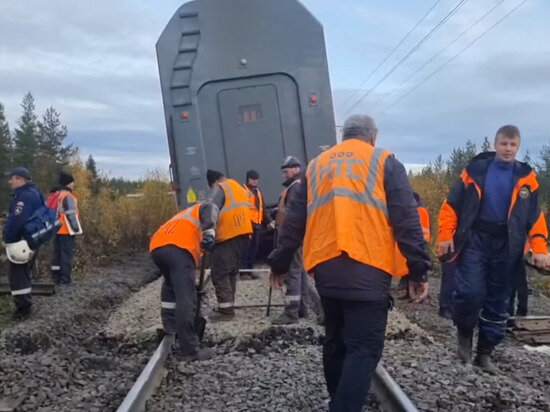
x=244, y=84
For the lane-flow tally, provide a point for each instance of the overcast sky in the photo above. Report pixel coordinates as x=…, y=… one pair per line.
x=95, y=63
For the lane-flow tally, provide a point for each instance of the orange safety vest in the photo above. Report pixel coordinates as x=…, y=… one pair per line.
x=281, y=207
x=64, y=229
x=256, y=211
x=183, y=230
x=424, y=222
x=234, y=217
x=346, y=209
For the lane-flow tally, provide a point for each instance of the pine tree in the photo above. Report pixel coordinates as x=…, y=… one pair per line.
x=25, y=142
x=527, y=157
x=5, y=155
x=95, y=181
x=486, y=145
x=52, y=155
x=460, y=157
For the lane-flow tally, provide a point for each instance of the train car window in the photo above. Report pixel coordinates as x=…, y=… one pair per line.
x=250, y=113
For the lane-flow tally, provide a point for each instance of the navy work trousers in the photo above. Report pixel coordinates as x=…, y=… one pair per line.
x=62, y=264
x=483, y=285
x=353, y=346
x=20, y=285
x=448, y=286
x=178, y=295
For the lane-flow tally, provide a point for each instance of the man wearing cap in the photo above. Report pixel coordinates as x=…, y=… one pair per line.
x=356, y=214
x=256, y=201
x=26, y=200
x=65, y=238
x=226, y=240
x=296, y=280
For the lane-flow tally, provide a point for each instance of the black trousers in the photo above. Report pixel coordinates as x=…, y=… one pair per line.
x=62, y=264
x=20, y=285
x=353, y=347
x=250, y=249
x=178, y=295
x=521, y=289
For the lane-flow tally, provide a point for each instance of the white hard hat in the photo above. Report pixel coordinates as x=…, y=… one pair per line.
x=19, y=252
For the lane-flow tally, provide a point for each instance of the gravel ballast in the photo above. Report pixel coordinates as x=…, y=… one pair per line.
x=60, y=359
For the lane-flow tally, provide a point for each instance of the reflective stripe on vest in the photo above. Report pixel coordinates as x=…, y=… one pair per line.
x=182, y=230
x=347, y=211
x=64, y=229
x=365, y=197
x=234, y=219
x=256, y=211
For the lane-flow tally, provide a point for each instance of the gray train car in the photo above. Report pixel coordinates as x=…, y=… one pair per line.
x=244, y=84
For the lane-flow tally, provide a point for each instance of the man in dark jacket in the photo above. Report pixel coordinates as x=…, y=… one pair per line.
x=354, y=205
x=296, y=280
x=489, y=214
x=26, y=200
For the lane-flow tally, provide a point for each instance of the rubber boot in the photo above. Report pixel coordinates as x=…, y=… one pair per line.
x=483, y=357
x=464, y=350
x=483, y=362
x=284, y=319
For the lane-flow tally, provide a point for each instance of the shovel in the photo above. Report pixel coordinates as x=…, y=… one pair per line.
x=200, y=320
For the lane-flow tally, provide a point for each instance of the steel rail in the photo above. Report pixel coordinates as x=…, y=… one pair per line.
x=389, y=394
x=149, y=379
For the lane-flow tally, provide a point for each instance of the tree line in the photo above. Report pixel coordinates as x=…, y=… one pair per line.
x=38, y=143
x=434, y=180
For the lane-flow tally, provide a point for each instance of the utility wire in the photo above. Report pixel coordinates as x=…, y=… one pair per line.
x=389, y=54
x=410, y=53
x=440, y=52
x=454, y=57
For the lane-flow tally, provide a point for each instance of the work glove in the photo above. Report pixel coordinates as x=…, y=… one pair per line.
x=279, y=260
x=208, y=240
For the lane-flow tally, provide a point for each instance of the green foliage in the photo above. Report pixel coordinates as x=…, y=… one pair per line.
x=123, y=186
x=95, y=180
x=5, y=156
x=25, y=143
x=458, y=160
x=53, y=156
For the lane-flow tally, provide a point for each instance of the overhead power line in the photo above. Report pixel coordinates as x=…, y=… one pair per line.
x=410, y=53
x=389, y=54
x=441, y=51
x=454, y=57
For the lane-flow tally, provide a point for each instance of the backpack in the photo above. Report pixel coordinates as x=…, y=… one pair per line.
x=41, y=226
x=53, y=199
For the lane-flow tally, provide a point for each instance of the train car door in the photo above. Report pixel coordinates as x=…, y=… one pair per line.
x=258, y=125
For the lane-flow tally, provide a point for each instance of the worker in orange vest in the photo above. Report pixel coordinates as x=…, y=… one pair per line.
x=176, y=248
x=256, y=201
x=64, y=241
x=353, y=206
x=233, y=228
x=425, y=223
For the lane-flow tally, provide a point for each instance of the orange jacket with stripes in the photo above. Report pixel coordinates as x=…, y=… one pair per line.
x=182, y=230
x=526, y=222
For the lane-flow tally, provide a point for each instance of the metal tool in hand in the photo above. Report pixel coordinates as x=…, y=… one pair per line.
x=200, y=320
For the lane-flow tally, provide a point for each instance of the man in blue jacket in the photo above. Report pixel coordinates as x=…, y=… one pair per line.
x=26, y=200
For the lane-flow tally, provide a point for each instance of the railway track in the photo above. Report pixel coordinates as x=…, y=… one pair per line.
x=389, y=395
